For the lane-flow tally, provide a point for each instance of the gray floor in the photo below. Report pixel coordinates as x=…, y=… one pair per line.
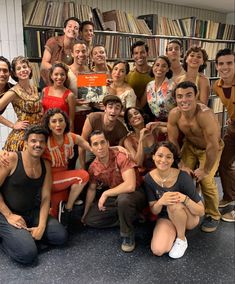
x=94, y=256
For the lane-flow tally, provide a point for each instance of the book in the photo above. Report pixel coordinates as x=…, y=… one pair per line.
x=92, y=86
x=98, y=19
x=27, y=11
x=110, y=25
x=152, y=22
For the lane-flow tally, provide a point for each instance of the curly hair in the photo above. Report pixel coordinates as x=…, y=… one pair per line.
x=51, y=112
x=195, y=48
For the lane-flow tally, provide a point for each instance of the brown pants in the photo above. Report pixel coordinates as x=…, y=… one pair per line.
x=122, y=210
x=227, y=165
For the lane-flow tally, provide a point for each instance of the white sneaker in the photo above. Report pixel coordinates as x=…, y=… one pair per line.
x=178, y=249
x=229, y=217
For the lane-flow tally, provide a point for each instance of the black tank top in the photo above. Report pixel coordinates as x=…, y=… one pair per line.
x=21, y=193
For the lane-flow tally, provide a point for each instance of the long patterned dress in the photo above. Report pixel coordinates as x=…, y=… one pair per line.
x=27, y=107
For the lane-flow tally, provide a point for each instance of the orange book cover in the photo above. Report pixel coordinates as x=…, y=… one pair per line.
x=92, y=80
x=92, y=86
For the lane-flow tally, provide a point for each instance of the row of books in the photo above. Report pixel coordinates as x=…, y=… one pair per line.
x=125, y=22
x=117, y=46
x=193, y=27
x=54, y=13
x=34, y=41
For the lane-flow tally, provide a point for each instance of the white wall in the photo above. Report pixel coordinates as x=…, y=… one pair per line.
x=230, y=18
x=11, y=45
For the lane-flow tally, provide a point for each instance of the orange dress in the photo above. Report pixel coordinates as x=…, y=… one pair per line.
x=59, y=157
x=62, y=178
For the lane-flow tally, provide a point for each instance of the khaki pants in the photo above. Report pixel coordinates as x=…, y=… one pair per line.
x=191, y=156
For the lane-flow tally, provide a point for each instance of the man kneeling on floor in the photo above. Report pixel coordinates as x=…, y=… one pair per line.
x=25, y=186
x=115, y=187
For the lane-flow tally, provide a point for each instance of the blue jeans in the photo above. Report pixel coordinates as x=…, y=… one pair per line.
x=19, y=244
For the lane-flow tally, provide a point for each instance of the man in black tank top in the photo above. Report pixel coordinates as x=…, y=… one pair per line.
x=25, y=187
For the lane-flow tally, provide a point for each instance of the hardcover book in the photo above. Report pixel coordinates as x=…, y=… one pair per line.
x=92, y=86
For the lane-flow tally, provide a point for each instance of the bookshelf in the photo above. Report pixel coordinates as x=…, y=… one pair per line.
x=209, y=34
x=118, y=43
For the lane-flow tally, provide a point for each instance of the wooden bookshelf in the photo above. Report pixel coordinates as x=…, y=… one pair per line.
x=41, y=23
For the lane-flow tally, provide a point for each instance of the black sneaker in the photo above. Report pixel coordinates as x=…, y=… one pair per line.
x=128, y=244
x=209, y=224
x=64, y=214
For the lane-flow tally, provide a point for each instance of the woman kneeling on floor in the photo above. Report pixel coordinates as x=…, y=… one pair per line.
x=173, y=197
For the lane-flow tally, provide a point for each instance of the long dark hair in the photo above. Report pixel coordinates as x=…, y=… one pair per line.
x=126, y=120
x=169, y=74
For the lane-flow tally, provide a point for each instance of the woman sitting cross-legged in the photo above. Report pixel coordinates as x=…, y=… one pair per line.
x=173, y=197
x=60, y=148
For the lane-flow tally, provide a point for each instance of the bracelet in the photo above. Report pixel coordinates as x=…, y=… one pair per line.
x=186, y=200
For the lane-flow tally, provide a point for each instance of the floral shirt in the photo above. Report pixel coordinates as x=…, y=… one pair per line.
x=111, y=175
x=161, y=101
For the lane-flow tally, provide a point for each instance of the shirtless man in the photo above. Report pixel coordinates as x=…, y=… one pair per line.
x=202, y=147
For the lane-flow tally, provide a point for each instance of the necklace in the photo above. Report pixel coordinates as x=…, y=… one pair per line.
x=27, y=90
x=163, y=180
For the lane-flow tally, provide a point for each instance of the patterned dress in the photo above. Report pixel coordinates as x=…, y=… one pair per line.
x=27, y=107
x=161, y=101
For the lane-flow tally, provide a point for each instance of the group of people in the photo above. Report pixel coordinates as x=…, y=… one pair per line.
x=146, y=144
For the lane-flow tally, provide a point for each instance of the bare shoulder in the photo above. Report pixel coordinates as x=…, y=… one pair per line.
x=12, y=158
x=203, y=110
x=174, y=114
x=203, y=78
x=71, y=95
x=129, y=137
x=205, y=114
x=180, y=79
